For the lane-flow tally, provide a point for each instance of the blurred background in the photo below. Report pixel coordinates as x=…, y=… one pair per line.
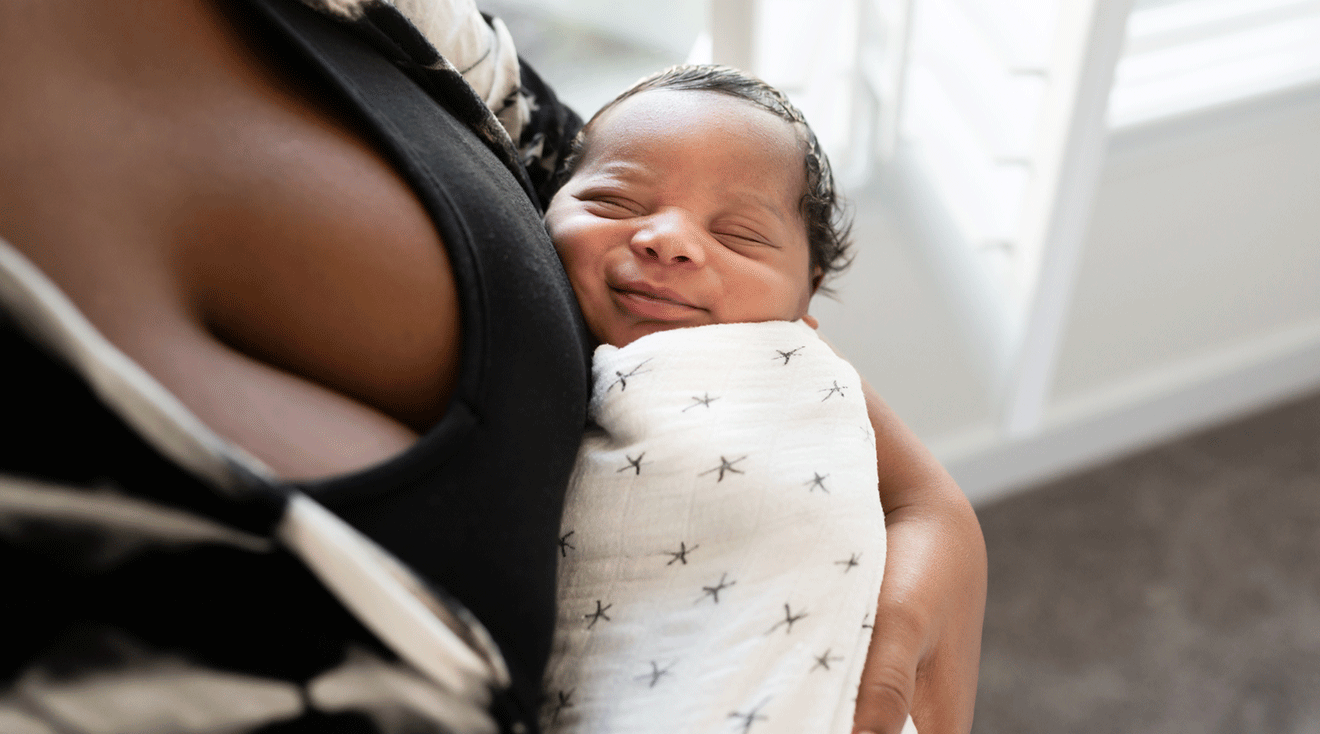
x=1088, y=276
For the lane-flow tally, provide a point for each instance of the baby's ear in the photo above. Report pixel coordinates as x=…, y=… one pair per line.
x=817, y=277
x=811, y=321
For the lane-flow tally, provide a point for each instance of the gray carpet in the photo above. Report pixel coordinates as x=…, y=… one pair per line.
x=1174, y=591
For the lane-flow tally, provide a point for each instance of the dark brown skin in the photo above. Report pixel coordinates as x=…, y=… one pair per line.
x=211, y=219
x=245, y=245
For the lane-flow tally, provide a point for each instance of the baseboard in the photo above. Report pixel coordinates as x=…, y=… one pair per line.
x=1102, y=425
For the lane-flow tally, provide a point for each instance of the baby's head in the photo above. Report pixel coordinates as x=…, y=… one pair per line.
x=698, y=196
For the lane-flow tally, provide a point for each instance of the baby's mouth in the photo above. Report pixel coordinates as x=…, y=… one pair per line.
x=651, y=302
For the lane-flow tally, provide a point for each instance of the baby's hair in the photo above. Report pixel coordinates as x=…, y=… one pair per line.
x=828, y=226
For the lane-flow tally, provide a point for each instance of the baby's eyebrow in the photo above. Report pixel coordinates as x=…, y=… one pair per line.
x=625, y=170
x=761, y=202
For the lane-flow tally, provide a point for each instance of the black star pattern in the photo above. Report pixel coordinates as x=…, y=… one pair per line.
x=852, y=561
x=865, y=624
x=564, y=545
x=824, y=659
x=789, y=619
x=598, y=615
x=830, y=391
x=725, y=466
x=714, y=591
x=622, y=380
x=655, y=675
x=750, y=717
x=565, y=702
x=789, y=354
x=635, y=464
x=705, y=400
x=817, y=481
x=681, y=554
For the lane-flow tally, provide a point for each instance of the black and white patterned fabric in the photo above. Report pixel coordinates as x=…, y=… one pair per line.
x=723, y=541
x=470, y=61
x=156, y=579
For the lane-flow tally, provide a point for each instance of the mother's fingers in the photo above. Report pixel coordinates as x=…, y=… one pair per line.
x=889, y=680
x=925, y=647
x=883, y=701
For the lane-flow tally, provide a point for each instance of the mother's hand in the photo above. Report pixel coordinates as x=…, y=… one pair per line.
x=926, y=643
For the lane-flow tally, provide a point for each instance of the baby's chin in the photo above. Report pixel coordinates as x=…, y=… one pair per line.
x=622, y=337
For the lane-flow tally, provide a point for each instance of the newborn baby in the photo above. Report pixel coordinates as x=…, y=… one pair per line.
x=722, y=542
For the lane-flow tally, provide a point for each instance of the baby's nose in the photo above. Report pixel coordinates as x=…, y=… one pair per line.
x=671, y=237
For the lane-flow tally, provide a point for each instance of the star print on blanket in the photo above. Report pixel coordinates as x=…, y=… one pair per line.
x=726, y=537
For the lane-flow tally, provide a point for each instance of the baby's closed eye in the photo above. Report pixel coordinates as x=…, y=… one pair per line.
x=738, y=236
x=611, y=205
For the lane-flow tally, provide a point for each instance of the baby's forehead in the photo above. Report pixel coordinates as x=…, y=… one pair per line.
x=644, y=119
x=678, y=114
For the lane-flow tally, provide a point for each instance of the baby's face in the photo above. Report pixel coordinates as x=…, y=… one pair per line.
x=683, y=212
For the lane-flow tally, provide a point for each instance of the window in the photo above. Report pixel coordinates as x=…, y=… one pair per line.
x=1190, y=55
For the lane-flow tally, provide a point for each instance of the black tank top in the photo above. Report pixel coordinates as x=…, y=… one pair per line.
x=474, y=506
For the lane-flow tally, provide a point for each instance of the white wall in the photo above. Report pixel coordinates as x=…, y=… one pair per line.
x=1205, y=238
x=1197, y=300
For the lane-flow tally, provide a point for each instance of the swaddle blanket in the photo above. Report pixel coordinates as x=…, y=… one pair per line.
x=722, y=542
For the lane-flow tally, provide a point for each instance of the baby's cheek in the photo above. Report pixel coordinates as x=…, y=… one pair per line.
x=574, y=241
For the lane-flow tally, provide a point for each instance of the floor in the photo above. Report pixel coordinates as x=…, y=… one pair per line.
x=1174, y=591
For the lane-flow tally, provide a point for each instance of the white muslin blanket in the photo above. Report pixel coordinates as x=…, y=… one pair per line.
x=722, y=543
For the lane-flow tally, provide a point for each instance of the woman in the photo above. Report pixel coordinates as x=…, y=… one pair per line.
x=313, y=239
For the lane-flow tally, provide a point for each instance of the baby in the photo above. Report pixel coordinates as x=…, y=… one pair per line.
x=722, y=542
